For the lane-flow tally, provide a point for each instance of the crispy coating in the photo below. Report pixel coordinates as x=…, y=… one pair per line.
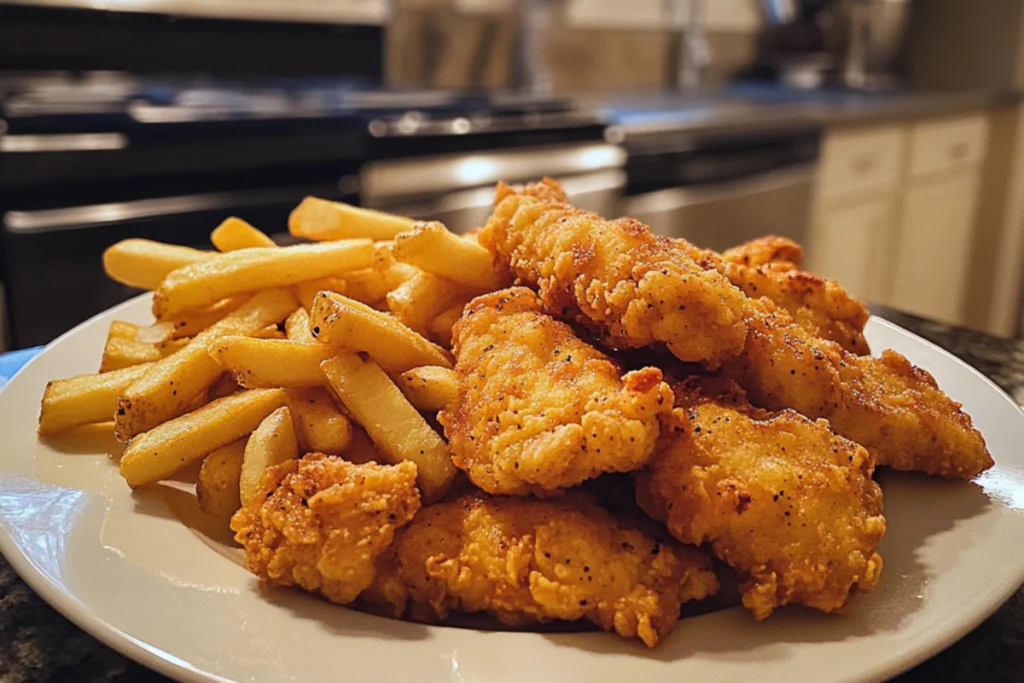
x=822, y=306
x=321, y=522
x=780, y=498
x=766, y=250
x=526, y=561
x=818, y=304
x=625, y=284
x=538, y=409
x=886, y=404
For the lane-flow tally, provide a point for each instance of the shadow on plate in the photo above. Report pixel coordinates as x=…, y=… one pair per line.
x=89, y=439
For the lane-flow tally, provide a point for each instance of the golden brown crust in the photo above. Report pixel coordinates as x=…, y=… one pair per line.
x=886, y=404
x=819, y=305
x=629, y=286
x=781, y=499
x=529, y=561
x=321, y=522
x=770, y=249
x=538, y=409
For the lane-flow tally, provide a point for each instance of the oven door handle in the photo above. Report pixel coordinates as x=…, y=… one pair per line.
x=73, y=142
x=671, y=199
x=92, y=215
x=461, y=200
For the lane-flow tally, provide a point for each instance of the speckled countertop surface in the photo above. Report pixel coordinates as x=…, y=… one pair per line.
x=38, y=645
x=757, y=106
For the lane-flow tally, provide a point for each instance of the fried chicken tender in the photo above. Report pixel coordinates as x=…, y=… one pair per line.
x=888, y=405
x=768, y=250
x=819, y=305
x=780, y=498
x=625, y=284
x=538, y=409
x=526, y=561
x=321, y=522
x=822, y=306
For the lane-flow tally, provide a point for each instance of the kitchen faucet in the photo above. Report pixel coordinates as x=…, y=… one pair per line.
x=694, y=53
x=530, y=71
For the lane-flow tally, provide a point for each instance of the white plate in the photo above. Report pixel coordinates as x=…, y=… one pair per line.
x=126, y=569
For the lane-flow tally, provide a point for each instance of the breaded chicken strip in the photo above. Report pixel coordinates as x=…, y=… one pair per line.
x=767, y=250
x=321, y=522
x=627, y=285
x=781, y=499
x=526, y=561
x=819, y=305
x=886, y=404
x=538, y=409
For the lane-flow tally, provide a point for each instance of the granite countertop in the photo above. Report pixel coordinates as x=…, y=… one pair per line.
x=38, y=645
x=761, y=106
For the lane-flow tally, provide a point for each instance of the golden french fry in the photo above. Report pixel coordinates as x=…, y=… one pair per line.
x=441, y=326
x=85, y=399
x=321, y=220
x=170, y=383
x=144, y=263
x=120, y=329
x=249, y=270
x=234, y=234
x=319, y=422
x=177, y=443
x=366, y=285
x=305, y=292
x=421, y=298
x=342, y=322
x=429, y=388
x=296, y=327
x=224, y=386
x=432, y=248
x=396, y=427
x=270, y=332
x=122, y=350
x=272, y=443
x=218, y=485
x=392, y=272
x=190, y=323
x=269, y=363
x=361, y=449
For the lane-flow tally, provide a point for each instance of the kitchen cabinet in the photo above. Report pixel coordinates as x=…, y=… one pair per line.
x=934, y=247
x=848, y=242
x=895, y=209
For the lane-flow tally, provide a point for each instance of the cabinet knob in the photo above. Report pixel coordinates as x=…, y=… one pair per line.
x=958, y=151
x=864, y=163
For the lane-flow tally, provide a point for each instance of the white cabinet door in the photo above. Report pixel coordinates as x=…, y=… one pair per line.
x=845, y=247
x=930, y=271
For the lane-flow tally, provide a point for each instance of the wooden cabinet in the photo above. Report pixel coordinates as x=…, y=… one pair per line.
x=860, y=161
x=895, y=212
x=930, y=274
x=848, y=247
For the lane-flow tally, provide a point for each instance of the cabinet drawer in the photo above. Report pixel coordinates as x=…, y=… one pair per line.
x=948, y=144
x=862, y=160
x=846, y=244
x=933, y=255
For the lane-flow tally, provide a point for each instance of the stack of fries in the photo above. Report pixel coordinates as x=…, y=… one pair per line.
x=261, y=353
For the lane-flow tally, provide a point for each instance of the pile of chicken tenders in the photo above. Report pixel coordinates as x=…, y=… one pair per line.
x=494, y=396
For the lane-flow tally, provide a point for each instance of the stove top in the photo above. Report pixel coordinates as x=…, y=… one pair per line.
x=177, y=100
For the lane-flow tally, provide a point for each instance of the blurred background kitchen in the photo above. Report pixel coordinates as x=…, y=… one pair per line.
x=886, y=136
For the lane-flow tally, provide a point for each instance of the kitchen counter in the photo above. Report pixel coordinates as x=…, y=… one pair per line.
x=37, y=644
x=756, y=106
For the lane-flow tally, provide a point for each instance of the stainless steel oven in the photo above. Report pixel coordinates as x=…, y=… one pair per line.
x=458, y=189
x=720, y=190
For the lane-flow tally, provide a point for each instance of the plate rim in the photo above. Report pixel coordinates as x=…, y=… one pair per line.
x=166, y=663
